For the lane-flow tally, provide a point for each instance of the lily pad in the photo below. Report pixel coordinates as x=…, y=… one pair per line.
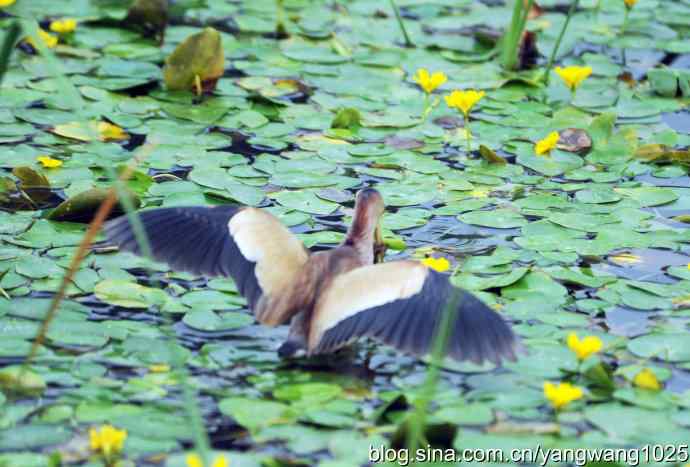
x=200, y=57
x=498, y=218
x=206, y=320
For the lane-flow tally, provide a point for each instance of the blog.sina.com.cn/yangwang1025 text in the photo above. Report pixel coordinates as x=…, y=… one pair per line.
x=578, y=456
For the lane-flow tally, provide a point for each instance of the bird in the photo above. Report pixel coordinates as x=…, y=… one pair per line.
x=330, y=298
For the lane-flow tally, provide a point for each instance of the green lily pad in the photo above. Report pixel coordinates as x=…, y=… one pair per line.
x=206, y=320
x=200, y=57
x=497, y=218
x=128, y=294
x=668, y=347
x=22, y=381
x=254, y=414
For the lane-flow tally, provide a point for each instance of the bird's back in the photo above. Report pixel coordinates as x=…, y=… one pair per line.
x=309, y=283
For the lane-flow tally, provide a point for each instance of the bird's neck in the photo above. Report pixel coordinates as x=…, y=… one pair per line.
x=360, y=236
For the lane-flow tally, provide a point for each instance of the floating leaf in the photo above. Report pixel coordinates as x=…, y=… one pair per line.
x=666, y=347
x=34, y=185
x=128, y=294
x=197, y=63
x=206, y=320
x=347, y=118
x=90, y=131
x=30, y=178
x=649, y=195
x=663, y=81
x=662, y=153
x=82, y=207
x=254, y=414
x=497, y=218
x=21, y=380
x=490, y=156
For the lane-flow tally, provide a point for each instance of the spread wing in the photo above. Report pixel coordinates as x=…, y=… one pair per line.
x=401, y=303
x=247, y=244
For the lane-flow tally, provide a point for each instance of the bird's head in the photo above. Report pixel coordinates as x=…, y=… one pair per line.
x=370, y=202
x=366, y=224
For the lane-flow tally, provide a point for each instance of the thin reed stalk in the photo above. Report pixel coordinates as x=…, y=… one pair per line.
x=11, y=37
x=116, y=192
x=396, y=10
x=557, y=45
x=513, y=35
x=416, y=424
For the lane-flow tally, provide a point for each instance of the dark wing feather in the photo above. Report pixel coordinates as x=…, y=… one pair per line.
x=409, y=320
x=199, y=240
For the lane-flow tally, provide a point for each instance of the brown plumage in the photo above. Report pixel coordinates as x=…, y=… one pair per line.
x=330, y=297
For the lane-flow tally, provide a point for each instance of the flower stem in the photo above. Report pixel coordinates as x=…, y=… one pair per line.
x=408, y=42
x=280, y=20
x=622, y=34
x=557, y=45
x=468, y=133
x=625, y=21
x=426, y=107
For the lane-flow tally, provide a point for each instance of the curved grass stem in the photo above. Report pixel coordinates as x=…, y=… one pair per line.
x=117, y=191
x=188, y=394
x=83, y=249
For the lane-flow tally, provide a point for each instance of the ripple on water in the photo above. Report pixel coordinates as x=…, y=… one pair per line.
x=627, y=322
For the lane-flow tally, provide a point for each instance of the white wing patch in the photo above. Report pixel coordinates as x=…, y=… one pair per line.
x=365, y=288
x=262, y=239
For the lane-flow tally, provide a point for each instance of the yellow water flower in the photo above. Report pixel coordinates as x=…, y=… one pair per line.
x=544, y=146
x=625, y=258
x=107, y=440
x=159, y=368
x=48, y=39
x=464, y=100
x=573, y=76
x=110, y=132
x=5, y=3
x=437, y=264
x=688, y=266
x=48, y=162
x=482, y=192
x=194, y=460
x=561, y=395
x=629, y=3
x=585, y=347
x=63, y=26
x=429, y=82
x=646, y=379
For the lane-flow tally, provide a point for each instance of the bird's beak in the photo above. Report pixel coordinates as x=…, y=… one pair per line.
x=379, y=246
